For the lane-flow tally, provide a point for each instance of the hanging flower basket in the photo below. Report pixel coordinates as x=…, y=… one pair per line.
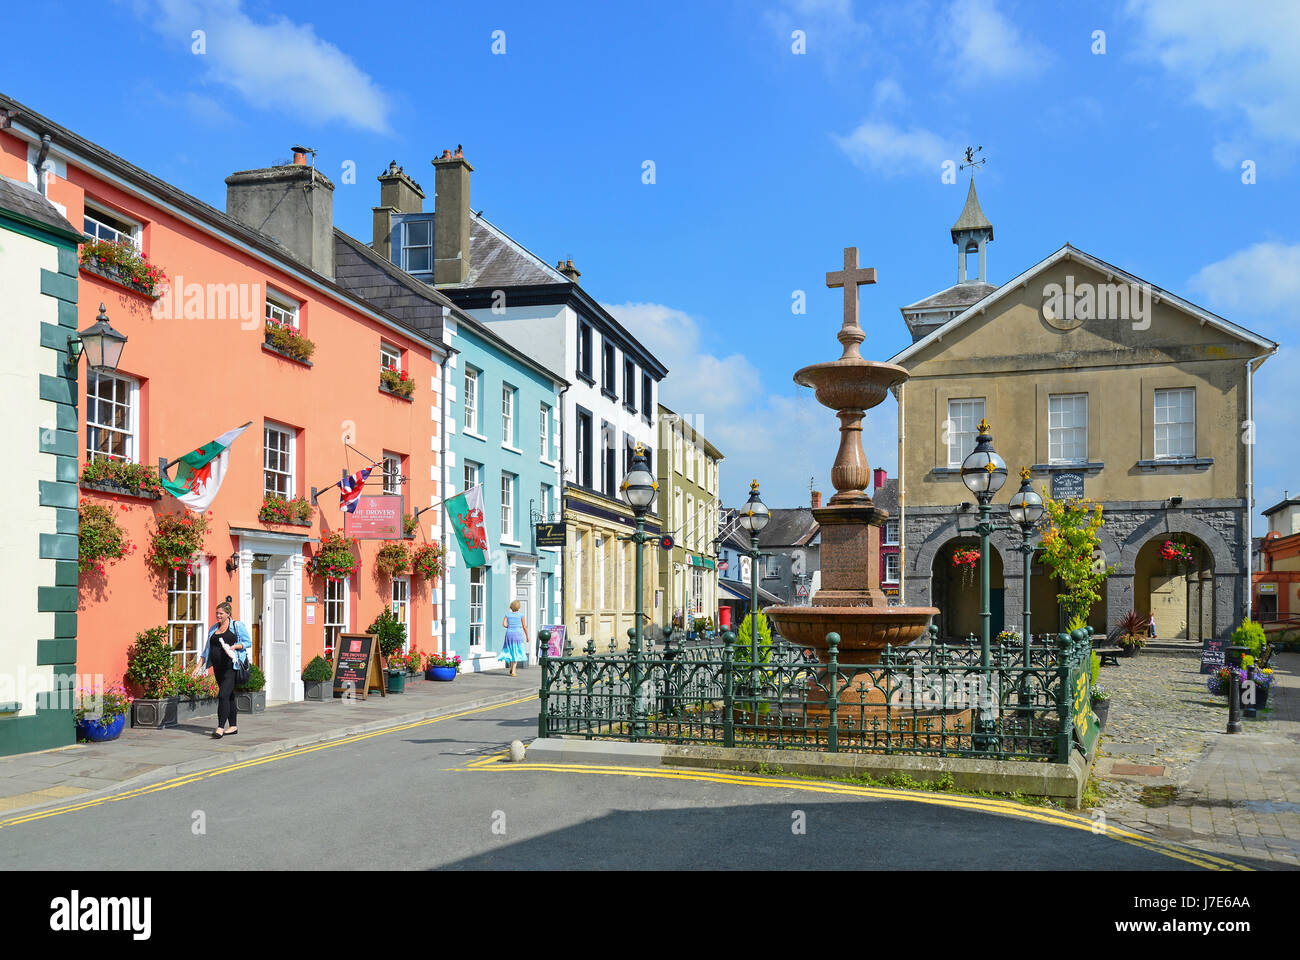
x=334, y=558
x=428, y=561
x=176, y=541
x=964, y=559
x=99, y=538
x=393, y=558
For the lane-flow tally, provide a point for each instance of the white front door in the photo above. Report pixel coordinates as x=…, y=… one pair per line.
x=524, y=594
x=276, y=641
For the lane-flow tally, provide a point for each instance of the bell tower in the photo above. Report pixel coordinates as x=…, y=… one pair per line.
x=972, y=234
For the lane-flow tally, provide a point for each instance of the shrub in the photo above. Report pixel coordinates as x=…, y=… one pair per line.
x=1096, y=667
x=256, y=680
x=318, y=670
x=390, y=632
x=149, y=662
x=744, y=637
x=1068, y=545
x=99, y=538
x=1251, y=635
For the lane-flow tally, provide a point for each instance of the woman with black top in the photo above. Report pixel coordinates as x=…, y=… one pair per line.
x=228, y=644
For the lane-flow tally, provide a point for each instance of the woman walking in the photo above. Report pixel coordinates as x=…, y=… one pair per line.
x=515, y=650
x=227, y=646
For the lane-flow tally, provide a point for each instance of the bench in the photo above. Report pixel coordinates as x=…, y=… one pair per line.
x=1108, y=654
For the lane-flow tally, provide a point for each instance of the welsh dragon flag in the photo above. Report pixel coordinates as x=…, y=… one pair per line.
x=200, y=472
x=466, y=513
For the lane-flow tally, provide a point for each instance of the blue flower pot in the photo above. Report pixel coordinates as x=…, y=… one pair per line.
x=440, y=673
x=100, y=730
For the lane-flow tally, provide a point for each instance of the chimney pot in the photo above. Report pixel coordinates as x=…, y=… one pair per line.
x=816, y=499
x=300, y=156
x=881, y=475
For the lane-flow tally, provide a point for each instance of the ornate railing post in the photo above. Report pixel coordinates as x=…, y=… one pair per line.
x=543, y=660
x=589, y=680
x=728, y=692
x=1064, y=700
x=833, y=692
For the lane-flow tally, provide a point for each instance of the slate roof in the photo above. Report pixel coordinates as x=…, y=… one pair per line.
x=886, y=497
x=495, y=259
x=789, y=528
x=1282, y=505
x=22, y=201
x=959, y=295
x=972, y=217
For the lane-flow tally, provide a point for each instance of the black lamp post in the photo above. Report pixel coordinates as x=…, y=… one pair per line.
x=101, y=344
x=639, y=488
x=984, y=472
x=1026, y=508
x=754, y=516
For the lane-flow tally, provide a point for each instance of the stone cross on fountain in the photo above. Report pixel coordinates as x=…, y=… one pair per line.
x=850, y=278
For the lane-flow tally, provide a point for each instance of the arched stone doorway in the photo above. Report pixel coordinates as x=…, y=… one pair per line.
x=956, y=592
x=1180, y=595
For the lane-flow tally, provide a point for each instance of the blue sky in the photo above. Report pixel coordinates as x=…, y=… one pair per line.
x=767, y=162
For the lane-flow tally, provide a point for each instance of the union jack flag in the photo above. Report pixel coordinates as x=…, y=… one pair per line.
x=350, y=489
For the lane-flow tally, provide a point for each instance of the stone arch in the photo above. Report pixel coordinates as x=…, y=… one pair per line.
x=1174, y=522
x=923, y=559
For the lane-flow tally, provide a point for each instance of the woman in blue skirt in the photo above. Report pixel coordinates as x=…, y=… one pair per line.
x=515, y=650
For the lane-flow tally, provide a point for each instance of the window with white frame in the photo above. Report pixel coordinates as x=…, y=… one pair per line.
x=471, y=475
x=579, y=567
x=507, y=506
x=470, y=400
x=544, y=502
x=335, y=617
x=281, y=310
x=1175, y=422
x=185, y=622
x=278, y=461
x=544, y=432
x=544, y=601
x=601, y=596
x=111, y=402
x=891, y=533
x=697, y=591
x=100, y=224
x=477, y=604
x=392, y=473
x=1067, y=428
x=402, y=605
x=508, y=415
x=679, y=444
x=390, y=358
x=688, y=539
x=417, y=246
x=679, y=518
x=702, y=535
x=963, y=426
x=891, y=567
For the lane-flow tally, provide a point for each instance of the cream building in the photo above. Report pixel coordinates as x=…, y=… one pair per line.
x=1104, y=386
x=688, y=503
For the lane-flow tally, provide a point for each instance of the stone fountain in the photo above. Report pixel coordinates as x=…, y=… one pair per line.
x=850, y=601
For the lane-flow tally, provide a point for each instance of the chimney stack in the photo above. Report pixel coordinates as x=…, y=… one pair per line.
x=567, y=268
x=816, y=499
x=292, y=203
x=880, y=477
x=398, y=194
x=451, y=217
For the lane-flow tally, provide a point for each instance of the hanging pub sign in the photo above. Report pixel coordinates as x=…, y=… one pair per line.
x=377, y=517
x=1067, y=485
x=357, y=669
x=551, y=534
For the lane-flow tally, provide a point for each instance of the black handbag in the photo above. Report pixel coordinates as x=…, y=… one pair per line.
x=243, y=672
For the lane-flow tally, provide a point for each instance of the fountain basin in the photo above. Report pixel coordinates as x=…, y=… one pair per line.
x=851, y=384
x=864, y=631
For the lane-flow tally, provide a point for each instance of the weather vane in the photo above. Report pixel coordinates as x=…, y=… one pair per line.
x=970, y=158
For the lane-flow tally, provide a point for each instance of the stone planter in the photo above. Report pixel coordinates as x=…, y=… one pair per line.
x=318, y=689
x=104, y=486
x=1101, y=708
x=110, y=273
x=408, y=397
x=155, y=714
x=187, y=709
x=250, y=701
x=270, y=348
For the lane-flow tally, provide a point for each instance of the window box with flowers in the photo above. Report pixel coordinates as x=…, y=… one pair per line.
x=296, y=512
x=100, y=540
x=396, y=382
x=176, y=541
x=122, y=477
x=410, y=523
x=284, y=339
x=334, y=558
x=121, y=263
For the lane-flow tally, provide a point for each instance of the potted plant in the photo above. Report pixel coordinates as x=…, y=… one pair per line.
x=251, y=697
x=195, y=696
x=1132, y=633
x=391, y=636
x=277, y=509
x=318, y=679
x=149, y=669
x=396, y=381
x=101, y=712
x=396, y=667
x=441, y=666
x=1263, y=679
x=414, y=664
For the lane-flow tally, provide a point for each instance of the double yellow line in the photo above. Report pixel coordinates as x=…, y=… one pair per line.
x=245, y=765
x=1046, y=815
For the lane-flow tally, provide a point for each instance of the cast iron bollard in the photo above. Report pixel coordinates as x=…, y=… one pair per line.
x=833, y=692
x=728, y=694
x=543, y=655
x=1232, y=659
x=1064, y=732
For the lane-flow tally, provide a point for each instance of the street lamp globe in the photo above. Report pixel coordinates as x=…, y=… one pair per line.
x=754, y=514
x=984, y=471
x=1025, y=504
x=639, y=486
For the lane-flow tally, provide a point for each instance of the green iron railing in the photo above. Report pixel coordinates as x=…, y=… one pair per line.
x=917, y=699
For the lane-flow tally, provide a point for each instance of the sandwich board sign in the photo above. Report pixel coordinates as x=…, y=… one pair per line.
x=357, y=667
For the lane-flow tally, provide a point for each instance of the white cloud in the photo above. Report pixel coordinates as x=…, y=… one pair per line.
x=1264, y=278
x=278, y=63
x=986, y=44
x=888, y=93
x=1237, y=59
x=833, y=35
x=880, y=147
x=765, y=427
x=1274, y=412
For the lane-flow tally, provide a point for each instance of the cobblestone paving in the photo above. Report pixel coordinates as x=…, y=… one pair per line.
x=1235, y=795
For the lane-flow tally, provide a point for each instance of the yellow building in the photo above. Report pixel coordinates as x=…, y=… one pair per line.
x=688, y=501
x=1105, y=387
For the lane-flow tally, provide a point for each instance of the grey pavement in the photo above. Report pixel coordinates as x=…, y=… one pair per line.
x=141, y=756
x=1170, y=770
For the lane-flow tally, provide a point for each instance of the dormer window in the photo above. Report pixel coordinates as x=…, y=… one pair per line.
x=417, y=246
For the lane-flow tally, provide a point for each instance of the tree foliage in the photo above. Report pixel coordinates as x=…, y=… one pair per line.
x=1067, y=550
